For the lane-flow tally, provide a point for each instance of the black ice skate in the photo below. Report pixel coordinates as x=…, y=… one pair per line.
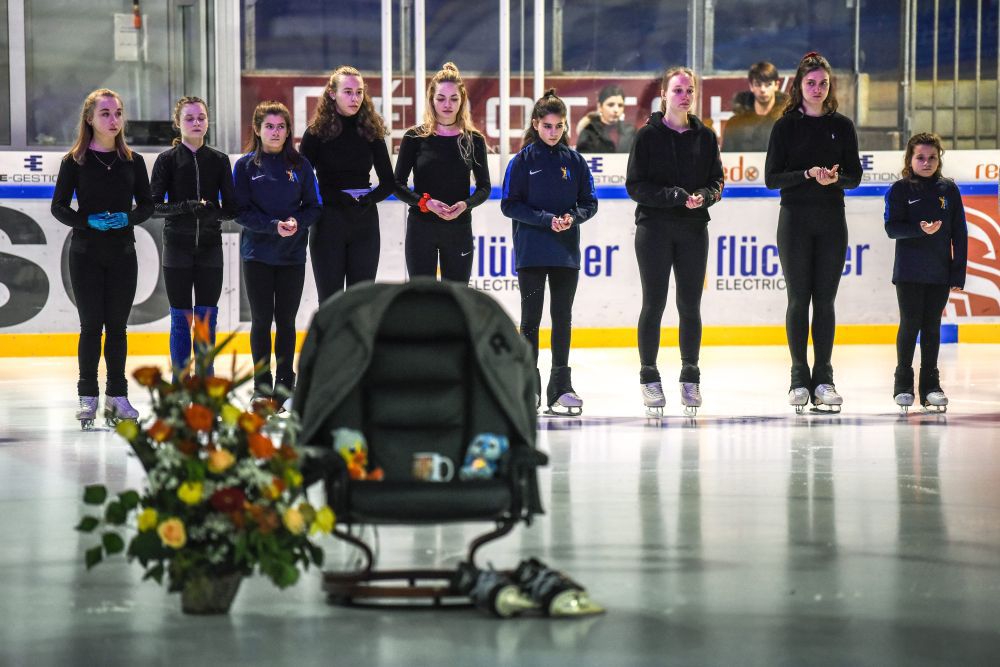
x=902, y=388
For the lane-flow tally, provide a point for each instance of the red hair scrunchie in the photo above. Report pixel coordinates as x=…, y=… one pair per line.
x=422, y=204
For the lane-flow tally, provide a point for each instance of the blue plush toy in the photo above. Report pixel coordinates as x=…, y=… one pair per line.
x=482, y=458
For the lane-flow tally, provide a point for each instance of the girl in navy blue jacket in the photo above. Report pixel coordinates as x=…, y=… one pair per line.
x=548, y=192
x=924, y=213
x=276, y=200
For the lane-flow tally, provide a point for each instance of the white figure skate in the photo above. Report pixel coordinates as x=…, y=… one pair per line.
x=87, y=412
x=936, y=401
x=653, y=399
x=567, y=405
x=798, y=398
x=117, y=408
x=904, y=400
x=690, y=398
x=826, y=399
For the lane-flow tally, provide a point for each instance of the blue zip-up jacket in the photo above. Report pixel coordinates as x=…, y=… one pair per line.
x=543, y=182
x=939, y=258
x=268, y=193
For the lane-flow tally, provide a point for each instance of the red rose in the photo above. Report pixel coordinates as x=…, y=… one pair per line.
x=228, y=500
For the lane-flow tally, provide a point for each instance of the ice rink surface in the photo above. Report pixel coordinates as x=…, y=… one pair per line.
x=748, y=535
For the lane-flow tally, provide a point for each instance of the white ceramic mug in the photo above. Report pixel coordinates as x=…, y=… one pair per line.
x=432, y=467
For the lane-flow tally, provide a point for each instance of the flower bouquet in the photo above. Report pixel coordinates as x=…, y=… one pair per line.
x=223, y=495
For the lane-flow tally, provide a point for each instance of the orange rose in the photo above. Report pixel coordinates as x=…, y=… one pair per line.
x=219, y=460
x=288, y=453
x=274, y=489
x=260, y=446
x=160, y=430
x=199, y=417
x=265, y=518
x=217, y=387
x=250, y=422
x=172, y=533
x=147, y=376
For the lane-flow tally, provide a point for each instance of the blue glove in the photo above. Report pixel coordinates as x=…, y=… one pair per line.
x=117, y=220
x=99, y=221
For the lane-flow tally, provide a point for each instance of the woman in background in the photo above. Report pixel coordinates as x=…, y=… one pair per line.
x=106, y=177
x=192, y=189
x=548, y=192
x=441, y=153
x=345, y=138
x=276, y=201
x=924, y=213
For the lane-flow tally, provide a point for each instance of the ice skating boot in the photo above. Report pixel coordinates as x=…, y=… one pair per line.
x=798, y=398
x=87, y=412
x=902, y=388
x=117, y=408
x=932, y=397
x=826, y=399
x=553, y=591
x=561, y=398
x=653, y=398
x=496, y=594
x=690, y=398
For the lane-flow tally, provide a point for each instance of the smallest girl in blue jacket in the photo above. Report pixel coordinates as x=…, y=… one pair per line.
x=924, y=213
x=276, y=199
x=548, y=192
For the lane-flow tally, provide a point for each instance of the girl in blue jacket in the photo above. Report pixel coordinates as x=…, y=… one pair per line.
x=924, y=213
x=276, y=200
x=548, y=192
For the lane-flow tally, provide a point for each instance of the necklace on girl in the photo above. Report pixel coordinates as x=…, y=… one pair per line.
x=96, y=157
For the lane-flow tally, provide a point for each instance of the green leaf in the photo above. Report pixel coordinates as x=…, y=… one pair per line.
x=129, y=499
x=145, y=546
x=88, y=524
x=113, y=543
x=95, y=494
x=115, y=513
x=316, y=553
x=156, y=573
x=93, y=556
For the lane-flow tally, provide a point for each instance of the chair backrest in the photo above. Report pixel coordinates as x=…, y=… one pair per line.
x=423, y=391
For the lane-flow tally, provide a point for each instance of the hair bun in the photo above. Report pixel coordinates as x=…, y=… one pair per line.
x=449, y=67
x=551, y=92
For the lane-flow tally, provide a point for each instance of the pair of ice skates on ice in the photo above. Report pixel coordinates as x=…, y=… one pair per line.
x=116, y=409
x=932, y=397
x=825, y=399
x=654, y=400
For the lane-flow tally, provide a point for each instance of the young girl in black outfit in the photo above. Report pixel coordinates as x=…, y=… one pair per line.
x=674, y=175
x=192, y=188
x=924, y=213
x=441, y=153
x=812, y=157
x=106, y=177
x=548, y=192
x=275, y=193
x=344, y=139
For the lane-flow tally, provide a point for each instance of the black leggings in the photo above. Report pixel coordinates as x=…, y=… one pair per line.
x=274, y=293
x=812, y=245
x=658, y=247
x=920, y=308
x=103, y=280
x=206, y=281
x=426, y=242
x=562, y=289
x=344, y=247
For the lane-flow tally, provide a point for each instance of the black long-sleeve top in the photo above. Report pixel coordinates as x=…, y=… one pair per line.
x=345, y=163
x=98, y=190
x=440, y=171
x=799, y=142
x=666, y=166
x=939, y=258
x=181, y=178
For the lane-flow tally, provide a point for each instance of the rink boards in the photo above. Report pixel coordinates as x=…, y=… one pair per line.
x=743, y=302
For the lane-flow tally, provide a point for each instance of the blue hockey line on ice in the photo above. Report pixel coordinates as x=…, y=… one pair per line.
x=603, y=191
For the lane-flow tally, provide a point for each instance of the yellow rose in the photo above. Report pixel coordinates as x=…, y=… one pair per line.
x=190, y=493
x=128, y=429
x=293, y=521
x=293, y=478
x=230, y=414
x=148, y=519
x=324, y=522
x=220, y=460
x=172, y=533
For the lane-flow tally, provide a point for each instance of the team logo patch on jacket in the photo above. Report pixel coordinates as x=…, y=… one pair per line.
x=292, y=176
x=944, y=203
x=565, y=173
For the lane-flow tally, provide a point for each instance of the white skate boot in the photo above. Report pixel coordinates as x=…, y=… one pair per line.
x=117, y=408
x=87, y=412
x=690, y=398
x=653, y=398
x=904, y=400
x=936, y=401
x=826, y=399
x=798, y=398
x=567, y=405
